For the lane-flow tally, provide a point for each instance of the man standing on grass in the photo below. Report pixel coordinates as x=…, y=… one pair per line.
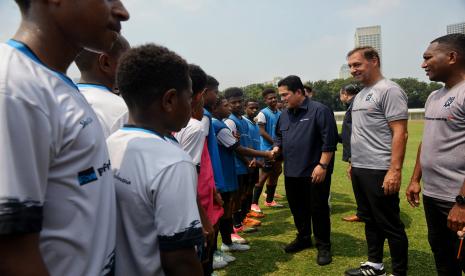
x=379, y=136
x=347, y=95
x=306, y=134
x=266, y=121
x=440, y=159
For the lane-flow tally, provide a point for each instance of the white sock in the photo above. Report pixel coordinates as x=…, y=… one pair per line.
x=378, y=266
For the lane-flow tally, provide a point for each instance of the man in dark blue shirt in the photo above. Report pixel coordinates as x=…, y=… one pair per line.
x=347, y=95
x=306, y=135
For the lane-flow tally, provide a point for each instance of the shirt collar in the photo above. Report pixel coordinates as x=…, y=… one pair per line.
x=94, y=85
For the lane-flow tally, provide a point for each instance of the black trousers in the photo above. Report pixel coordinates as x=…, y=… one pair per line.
x=241, y=200
x=444, y=242
x=309, y=205
x=225, y=223
x=381, y=215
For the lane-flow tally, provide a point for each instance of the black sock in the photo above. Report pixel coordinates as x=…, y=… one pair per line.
x=226, y=230
x=237, y=219
x=270, y=193
x=257, y=191
x=245, y=208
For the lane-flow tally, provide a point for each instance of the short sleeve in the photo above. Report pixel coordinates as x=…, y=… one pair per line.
x=176, y=214
x=192, y=140
x=25, y=136
x=205, y=125
x=261, y=118
x=226, y=138
x=395, y=104
x=231, y=125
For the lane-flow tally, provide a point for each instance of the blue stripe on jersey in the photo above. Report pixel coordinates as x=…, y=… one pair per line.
x=25, y=50
x=92, y=85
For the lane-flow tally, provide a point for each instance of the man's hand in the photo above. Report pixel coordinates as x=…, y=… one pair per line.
x=349, y=172
x=456, y=218
x=236, y=135
x=318, y=174
x=276, y=151
x=217, y=198
x=413, y=193
x=271, y=155
x=391, y=184
x=253, y=163
x=208, y=231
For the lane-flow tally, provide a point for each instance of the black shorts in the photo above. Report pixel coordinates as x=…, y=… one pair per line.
x=254, y=177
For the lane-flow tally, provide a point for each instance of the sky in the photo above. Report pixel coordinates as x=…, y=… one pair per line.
x=241, y=42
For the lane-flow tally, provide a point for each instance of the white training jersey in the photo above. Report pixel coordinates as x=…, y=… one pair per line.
x=55, y=175
x=110, y=108
x=192, y=138
x=156, y=192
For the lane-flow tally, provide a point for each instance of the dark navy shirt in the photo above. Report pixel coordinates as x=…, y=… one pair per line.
x=303, y=134
x=347, y=132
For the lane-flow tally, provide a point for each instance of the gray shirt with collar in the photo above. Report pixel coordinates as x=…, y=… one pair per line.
x=373, y=109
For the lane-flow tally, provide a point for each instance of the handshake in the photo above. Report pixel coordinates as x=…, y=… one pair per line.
x=273, y=154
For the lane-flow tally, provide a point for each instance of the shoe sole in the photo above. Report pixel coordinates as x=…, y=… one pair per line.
x=298, y=250
x=324, y=263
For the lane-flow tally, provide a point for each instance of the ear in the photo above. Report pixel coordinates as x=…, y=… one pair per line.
x=169, y=100
x=104, y=63
x=299, y=91
x=199, y=97
x=375, y=62
x=452, y=56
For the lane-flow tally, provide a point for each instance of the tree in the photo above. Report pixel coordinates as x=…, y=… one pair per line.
x=327, y=92
x=417, y=91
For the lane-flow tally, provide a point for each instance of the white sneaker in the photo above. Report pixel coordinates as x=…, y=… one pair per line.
x=234, y=247
x=226, y=257
x=219, y=262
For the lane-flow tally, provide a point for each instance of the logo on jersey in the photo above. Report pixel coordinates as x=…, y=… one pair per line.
x=104, y=168
x=87, y=176
x=118, y=177
x=448, y=102
x=369, y=98
x=86, y=122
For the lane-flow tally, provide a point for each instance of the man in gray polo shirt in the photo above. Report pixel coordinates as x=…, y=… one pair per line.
x=440, y=158
x=379, y=135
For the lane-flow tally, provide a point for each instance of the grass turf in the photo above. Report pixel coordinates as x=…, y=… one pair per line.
x=267, y=257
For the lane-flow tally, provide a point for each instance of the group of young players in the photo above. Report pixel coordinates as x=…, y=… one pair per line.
x=223, y=138
x=135, y=169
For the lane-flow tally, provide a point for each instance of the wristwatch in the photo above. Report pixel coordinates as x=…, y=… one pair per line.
x=460, y=200
x=325, y=166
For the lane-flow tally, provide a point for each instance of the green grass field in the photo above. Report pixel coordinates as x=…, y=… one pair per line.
x=267, y=256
